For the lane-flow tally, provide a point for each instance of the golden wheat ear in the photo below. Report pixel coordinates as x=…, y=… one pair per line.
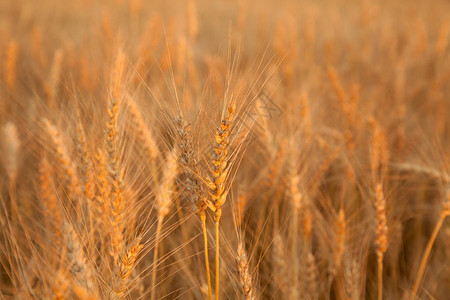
x=164, y=198
x=189, y=183
x=245, y=275
x=125, y=266
x=114, y=163
x=65, y=162
x=219, y=173
x=10, y=66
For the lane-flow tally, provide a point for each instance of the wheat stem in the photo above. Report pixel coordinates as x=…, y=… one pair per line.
x=217, y=219
x=205, y=237
x=155, y=257
x=427, y=252
x=380, y=276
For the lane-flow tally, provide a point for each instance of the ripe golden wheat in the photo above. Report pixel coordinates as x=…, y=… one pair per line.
x=224, y=149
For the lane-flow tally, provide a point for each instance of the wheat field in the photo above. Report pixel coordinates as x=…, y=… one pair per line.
x=224, y=149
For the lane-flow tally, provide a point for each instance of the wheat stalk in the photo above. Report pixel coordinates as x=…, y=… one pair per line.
x=190, y=185
x=163, y=201
x=445, y=212
x=219, y=172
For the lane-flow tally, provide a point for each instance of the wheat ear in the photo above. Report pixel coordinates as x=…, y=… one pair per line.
x=78, y=263
x=219, y=172
x=381, y=233
x=192, y=185
x=11, y=65
x=114, y=167
x=163, y=201
x=115, y=174
x=245, y=277
x=46, y=192
x=55, y=74
x=144, y=134
x=296, y=202
x=86, y=168
x=64, y=160
x=12, y=144
x=279, y=261
x=339, y=243
x=311, y=276
x=379, y=161
x=125, y=266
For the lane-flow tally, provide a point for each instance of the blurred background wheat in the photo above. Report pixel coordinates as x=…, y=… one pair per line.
x=224, y=149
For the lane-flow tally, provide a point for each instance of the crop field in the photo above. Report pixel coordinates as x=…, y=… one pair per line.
x=225, y=149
